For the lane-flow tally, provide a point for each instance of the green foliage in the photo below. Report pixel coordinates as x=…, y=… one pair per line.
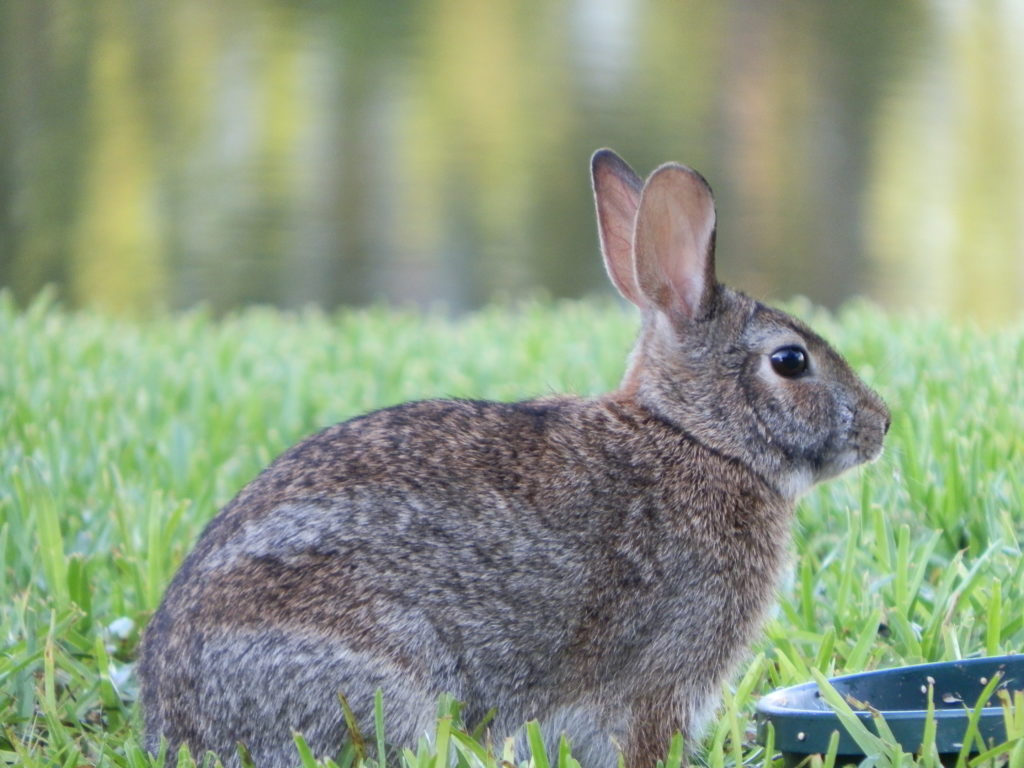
x=121, y=440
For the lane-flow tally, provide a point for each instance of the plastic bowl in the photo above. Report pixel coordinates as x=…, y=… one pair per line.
x=803, y=722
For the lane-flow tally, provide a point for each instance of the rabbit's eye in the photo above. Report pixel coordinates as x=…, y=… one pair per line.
x=789, y=361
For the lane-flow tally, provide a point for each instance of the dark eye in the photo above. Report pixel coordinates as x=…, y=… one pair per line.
x=789, y=361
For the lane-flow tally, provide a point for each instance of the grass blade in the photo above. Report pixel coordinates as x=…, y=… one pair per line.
x=378, y=721
x=536, y=741
x=870, y=744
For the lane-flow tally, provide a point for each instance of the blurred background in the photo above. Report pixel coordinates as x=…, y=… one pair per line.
x=435, y=152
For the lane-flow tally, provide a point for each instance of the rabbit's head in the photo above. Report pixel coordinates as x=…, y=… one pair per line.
x=747, y=381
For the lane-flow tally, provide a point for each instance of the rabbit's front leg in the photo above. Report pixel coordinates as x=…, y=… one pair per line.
x=655, y=717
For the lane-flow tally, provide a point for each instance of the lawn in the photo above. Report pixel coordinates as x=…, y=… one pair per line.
x=121, y=439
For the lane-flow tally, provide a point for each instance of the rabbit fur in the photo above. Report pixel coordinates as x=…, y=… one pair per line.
x=597, y=564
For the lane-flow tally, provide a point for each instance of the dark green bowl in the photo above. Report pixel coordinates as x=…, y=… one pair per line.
x=803, y=722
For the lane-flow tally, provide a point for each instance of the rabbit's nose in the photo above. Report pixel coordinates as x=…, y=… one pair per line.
x=885, y=427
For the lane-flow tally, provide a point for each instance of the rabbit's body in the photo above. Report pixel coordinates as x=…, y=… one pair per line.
x=598, y=564
x=538, y=590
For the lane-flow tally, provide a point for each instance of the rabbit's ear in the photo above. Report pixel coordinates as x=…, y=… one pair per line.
x=675, y=243
x=617, y=196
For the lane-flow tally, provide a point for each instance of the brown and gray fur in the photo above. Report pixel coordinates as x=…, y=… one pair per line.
x=598, y=564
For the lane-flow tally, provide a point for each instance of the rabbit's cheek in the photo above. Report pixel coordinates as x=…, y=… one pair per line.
x=845, y=417
x=795, y=411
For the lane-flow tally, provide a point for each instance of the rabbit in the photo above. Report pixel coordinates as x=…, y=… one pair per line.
x=598, y=564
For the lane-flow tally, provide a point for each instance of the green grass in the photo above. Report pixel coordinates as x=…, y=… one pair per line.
x=120, y=440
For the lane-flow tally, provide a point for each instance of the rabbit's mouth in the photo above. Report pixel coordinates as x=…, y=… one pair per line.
x=843, y=461
x=866, y=443
x=864, y=446
x=872, y=453
x=870, y=428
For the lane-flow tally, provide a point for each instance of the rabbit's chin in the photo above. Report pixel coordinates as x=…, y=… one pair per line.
x=797, y=482
x=847, y=460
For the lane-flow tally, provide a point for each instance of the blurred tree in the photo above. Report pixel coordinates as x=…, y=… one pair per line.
x=44, y=50
x=262, y=150
x=117, y=258
x=947, y=192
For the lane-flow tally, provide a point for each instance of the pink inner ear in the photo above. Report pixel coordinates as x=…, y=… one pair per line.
x=674, y=241
x=621, y=204
x=617, y=195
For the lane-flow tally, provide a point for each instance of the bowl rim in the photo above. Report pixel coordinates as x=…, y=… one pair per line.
x=767, y=705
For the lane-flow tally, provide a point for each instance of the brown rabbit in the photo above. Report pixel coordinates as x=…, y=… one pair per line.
x=598, y=564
